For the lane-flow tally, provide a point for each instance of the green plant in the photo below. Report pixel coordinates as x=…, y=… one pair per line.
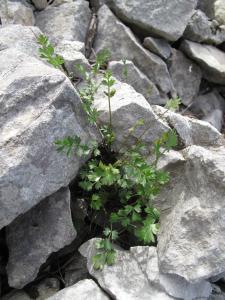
x=47, y=52
x=120, y=185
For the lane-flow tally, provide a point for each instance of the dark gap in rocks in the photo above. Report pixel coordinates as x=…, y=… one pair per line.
x=177, y=43
x=4, y=255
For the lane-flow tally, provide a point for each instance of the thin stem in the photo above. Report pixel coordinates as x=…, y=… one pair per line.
x=110, y=111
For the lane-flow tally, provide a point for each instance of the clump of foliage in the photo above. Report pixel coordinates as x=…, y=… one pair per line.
x=121, y=185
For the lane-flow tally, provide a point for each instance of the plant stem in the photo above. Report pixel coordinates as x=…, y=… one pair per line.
x=110, y=111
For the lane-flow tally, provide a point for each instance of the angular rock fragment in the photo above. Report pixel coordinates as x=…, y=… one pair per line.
x=72, y=53
x=32, y=237
x=68, y=21
x=16, y=12
x=116, y=37
x=186, y=76
x=158, y=46
x=84, y=290
x=164, y=18
x=189, y=243
x=210, y=59
x=202, y=30
x=38, y=106
x=127, y=72
x=190, y=131
x=128, y=107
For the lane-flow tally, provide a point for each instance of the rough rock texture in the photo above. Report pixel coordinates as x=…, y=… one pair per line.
x=40, y=4
x=124, y=280
x=21, y=38
x=32, y=237
x=16, y=12
x=83, y=290
x=38, y=106
x=186, y=76
x=173, y=285
x=215, y=9
x=113, y=35
x=165, y=18
x=71, y=51
x=202, y=30
x=131, y=75
x=47, y=288
x=16, y=295
x=211, y=60
x=190, y=243
x=68, y=21
x=211, y=108
x=190, y=131
x=128, y=107
x=158, y=46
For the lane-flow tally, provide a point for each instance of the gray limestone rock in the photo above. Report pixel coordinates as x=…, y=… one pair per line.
x=158, y=46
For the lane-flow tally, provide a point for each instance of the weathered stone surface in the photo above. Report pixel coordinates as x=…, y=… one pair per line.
x=68, y=21
x=165, y=18
x=16, y=12
x=124, y=280
x=130, y=74
x=173, y=285
x=72, y=53
x=119, y=39
x=83, y=290
x=202, y=30
x=211, y=60
x=21, y=38
x=127, y=108
x=210, y=107
x=32, y=237
x=40, y=4
x=190, y=131
x=38, y=106
x=158, y=46
x=186, y=76
x=47, y=288
x=190, y=243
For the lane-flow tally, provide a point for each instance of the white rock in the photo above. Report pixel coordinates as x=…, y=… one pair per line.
x=84, y=290
x=68, y=21
x=16, y=12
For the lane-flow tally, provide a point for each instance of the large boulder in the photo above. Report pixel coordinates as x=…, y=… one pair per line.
x=32, y=237
x=116, y=37
x=186, y=76
x=127, y=72
x=211, y=60
x=164, y=18
x=68, y=21
x=136, y=275
x=16, y=12
x=190, y=242
x=84, y=290
x=38, y=106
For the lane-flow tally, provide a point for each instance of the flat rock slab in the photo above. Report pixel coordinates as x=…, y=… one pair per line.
x=38, y=106
x=32, y=237
x=164, y=18
x=68, y=21
x=119, y=39
x=84, y=290
x=211, y=60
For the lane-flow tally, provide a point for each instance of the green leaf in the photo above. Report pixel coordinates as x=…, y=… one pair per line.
x=99, y=261
x=147, y=232
x=96, y=202
x=111, y=257
x=173, y=104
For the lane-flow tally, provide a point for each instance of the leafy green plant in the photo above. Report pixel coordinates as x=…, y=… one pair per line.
x=47, y=52
x=119, y=185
